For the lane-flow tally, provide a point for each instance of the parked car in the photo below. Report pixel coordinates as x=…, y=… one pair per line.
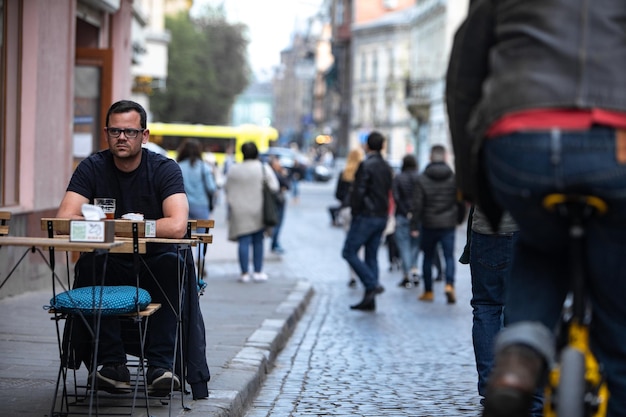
x=322, y=173
x=288, y=158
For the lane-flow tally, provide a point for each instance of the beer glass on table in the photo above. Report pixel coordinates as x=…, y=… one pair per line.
x=107, y=205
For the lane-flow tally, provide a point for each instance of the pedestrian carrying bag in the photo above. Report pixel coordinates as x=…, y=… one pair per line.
x=106, y=300
x=270, y=211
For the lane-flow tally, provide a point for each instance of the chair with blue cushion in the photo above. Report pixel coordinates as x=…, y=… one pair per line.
x=89, y=305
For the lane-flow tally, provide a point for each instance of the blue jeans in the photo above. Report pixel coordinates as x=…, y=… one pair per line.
x=364, y=231
x=408, y=245
x=256, y=240
x=430, y=238
x=522, y=169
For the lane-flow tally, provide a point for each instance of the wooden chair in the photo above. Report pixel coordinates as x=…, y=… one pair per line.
x=5, y=217
x=199, y=231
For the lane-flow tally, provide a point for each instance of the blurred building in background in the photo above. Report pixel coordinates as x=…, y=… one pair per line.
x=433, y=24
x=293, y=92
x=150, y=46
x=254, y=106
x=387, y=72
x=380, y=56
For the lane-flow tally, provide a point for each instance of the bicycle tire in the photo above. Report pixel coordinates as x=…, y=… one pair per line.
x=572, y=386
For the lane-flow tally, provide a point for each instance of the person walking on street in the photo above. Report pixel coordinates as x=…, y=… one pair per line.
x=436, y=207
x=343, y=190
x=244, y=195
x=297, y=173
x=490, y=259
x=199, y=183
x=284, y=185
x=369, y=203
x=407, y=232
x=538, y=107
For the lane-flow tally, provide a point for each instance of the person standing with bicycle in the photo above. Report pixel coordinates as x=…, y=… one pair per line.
x=536, y=98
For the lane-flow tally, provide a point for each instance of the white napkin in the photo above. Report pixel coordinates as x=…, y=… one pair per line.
x=91, y=212
x=133, y=216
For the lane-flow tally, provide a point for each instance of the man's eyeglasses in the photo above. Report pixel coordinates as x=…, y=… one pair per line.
x=115, y=132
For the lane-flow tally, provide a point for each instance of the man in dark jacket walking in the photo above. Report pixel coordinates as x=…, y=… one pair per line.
x=436, y=207
x=370, y=210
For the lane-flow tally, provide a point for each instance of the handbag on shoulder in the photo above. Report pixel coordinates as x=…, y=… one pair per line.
x=270, y=211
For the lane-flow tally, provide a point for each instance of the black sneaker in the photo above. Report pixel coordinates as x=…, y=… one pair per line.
x=114, y=378
x=405, y=283
x=160, y=381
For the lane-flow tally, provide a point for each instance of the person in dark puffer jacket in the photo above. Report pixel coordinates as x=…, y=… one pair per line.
x=407, y=239
x=436, y=206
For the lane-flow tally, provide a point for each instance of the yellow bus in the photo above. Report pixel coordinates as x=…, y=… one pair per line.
x=215, y=140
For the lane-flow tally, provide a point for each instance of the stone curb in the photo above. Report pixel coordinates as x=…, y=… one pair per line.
x=233, y=391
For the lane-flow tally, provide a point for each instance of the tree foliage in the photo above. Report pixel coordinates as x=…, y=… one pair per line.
x=207, y=69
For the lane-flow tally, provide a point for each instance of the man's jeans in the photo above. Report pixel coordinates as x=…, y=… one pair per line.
x=430, y=238
x=408, y=245
x=364, y=231
x=523, y=168
x=159, y=274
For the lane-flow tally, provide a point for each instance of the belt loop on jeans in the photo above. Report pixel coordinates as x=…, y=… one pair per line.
x=555, y=146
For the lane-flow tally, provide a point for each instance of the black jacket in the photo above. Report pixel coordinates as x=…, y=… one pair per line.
x=404, y=188
x=342, y=190
x=371, y=188
x=436, y=200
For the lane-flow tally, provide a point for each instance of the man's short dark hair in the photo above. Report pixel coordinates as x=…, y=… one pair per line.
x=249, y=151
x=375, y=141
x=125, y=106
x=409, y=163
x=437, y=153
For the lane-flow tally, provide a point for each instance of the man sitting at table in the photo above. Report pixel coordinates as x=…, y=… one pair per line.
x=143, y=182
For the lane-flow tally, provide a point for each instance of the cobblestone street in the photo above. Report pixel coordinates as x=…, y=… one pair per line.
x=409, y=358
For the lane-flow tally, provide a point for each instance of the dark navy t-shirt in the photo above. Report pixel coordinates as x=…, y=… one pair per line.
x=140, y=191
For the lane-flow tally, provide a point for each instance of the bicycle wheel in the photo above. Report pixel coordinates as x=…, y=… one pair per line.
x=571, y=390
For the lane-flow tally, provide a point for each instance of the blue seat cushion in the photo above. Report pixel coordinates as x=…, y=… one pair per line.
x=109, y=300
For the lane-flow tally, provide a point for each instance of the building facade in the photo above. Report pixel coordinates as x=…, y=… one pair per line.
x=433, y=25
x=380, y=58
x=254, y=106
x=293, y=92
x=62, y=65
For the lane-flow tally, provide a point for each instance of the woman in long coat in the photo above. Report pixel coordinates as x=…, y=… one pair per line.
x=244, y=195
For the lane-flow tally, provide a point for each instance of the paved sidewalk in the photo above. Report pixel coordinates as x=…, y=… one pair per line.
x=246, y=326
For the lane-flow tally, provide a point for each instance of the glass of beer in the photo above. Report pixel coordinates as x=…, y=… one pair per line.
x=107, y=205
